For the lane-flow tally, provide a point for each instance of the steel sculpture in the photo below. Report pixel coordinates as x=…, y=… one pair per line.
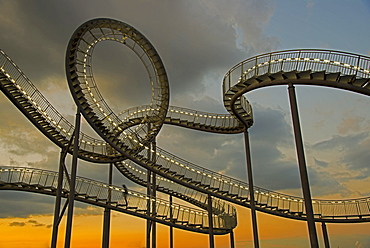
x=127, y=137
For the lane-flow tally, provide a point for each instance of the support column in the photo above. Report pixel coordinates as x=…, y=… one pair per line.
x=149, y=193
x=325, y=235
x=210, y=222
x=232, y=240
x=251, y=189
x=154, y=195
x=72, y=189
x=302, y=167
x=58, y=201
x=171, y=227
x=148, y=208
x=106, y=222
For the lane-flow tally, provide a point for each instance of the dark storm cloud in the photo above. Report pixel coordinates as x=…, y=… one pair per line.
x=193, y=38
x=23, y=204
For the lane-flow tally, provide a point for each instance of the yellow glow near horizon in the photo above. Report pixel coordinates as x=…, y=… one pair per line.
x=129, y=232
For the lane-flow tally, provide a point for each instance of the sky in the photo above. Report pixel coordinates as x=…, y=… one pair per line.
x=198, y=41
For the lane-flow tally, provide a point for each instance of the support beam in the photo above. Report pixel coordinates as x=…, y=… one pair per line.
x=71, y=196
x=232, y=240
x=149, y=193
x=58, y=201
x=171, y=227
x=107, y=212
x=210, y=222
x=251, y=190
x=302, y=167
x=148, y=208
x=154, y=195
x=325, y=235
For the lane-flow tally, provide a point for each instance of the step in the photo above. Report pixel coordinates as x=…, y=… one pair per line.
x=290, y=75
x=304, y=75
x=346, y=79
x=318, y=75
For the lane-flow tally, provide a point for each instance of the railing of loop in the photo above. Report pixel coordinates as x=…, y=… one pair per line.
x=116, y=195
x=81, y=74
x=189, y=115
x=298, y=60
x=42, y=106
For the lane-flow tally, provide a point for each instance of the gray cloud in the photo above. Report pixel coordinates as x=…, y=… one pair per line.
x=353, y=150
x=17, y=224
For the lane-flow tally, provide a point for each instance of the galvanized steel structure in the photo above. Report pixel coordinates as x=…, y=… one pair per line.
x=128, y=138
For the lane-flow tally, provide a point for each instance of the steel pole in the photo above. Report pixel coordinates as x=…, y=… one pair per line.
x=58, y=201
x=325, y=235
x=148, y=222
x=106, y=222
x=171, y=227
x=154, y=194
x=72, y=189
x=210, y=222
x=251, y=189
x=302, y=167
x=232, y=240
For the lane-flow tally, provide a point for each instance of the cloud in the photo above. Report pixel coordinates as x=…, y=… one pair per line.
x=33, y=223
x=352, y=149
x=321, y=163
x=351, y=123
x=17, y=224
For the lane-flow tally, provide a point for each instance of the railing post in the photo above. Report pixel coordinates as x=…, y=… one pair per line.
x=106, y=221
x=71, y=196
x=302, y=167
x=251, y=189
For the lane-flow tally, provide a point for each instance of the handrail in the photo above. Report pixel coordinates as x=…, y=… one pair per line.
x=116, y=196
x=298, y=60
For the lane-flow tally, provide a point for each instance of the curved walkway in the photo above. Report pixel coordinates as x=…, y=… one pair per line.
x=127, y=135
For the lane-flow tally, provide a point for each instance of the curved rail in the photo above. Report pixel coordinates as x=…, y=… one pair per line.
x=311, y=67
x=129, y=142
x=187, y=118
x=104, y=195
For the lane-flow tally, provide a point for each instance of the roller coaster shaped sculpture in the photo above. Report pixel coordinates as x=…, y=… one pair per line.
x=126, y=137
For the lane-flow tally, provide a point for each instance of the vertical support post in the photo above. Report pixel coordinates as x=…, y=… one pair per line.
x=154, y=195
x=302, y=167
x=210, y=222
x=148, y=208
x=149, y=193
x=106, y=222
x=58, y=201
x=251, y=189
x=171, y=227
x=232, y=240
x=325, y=235
x=72, y=186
